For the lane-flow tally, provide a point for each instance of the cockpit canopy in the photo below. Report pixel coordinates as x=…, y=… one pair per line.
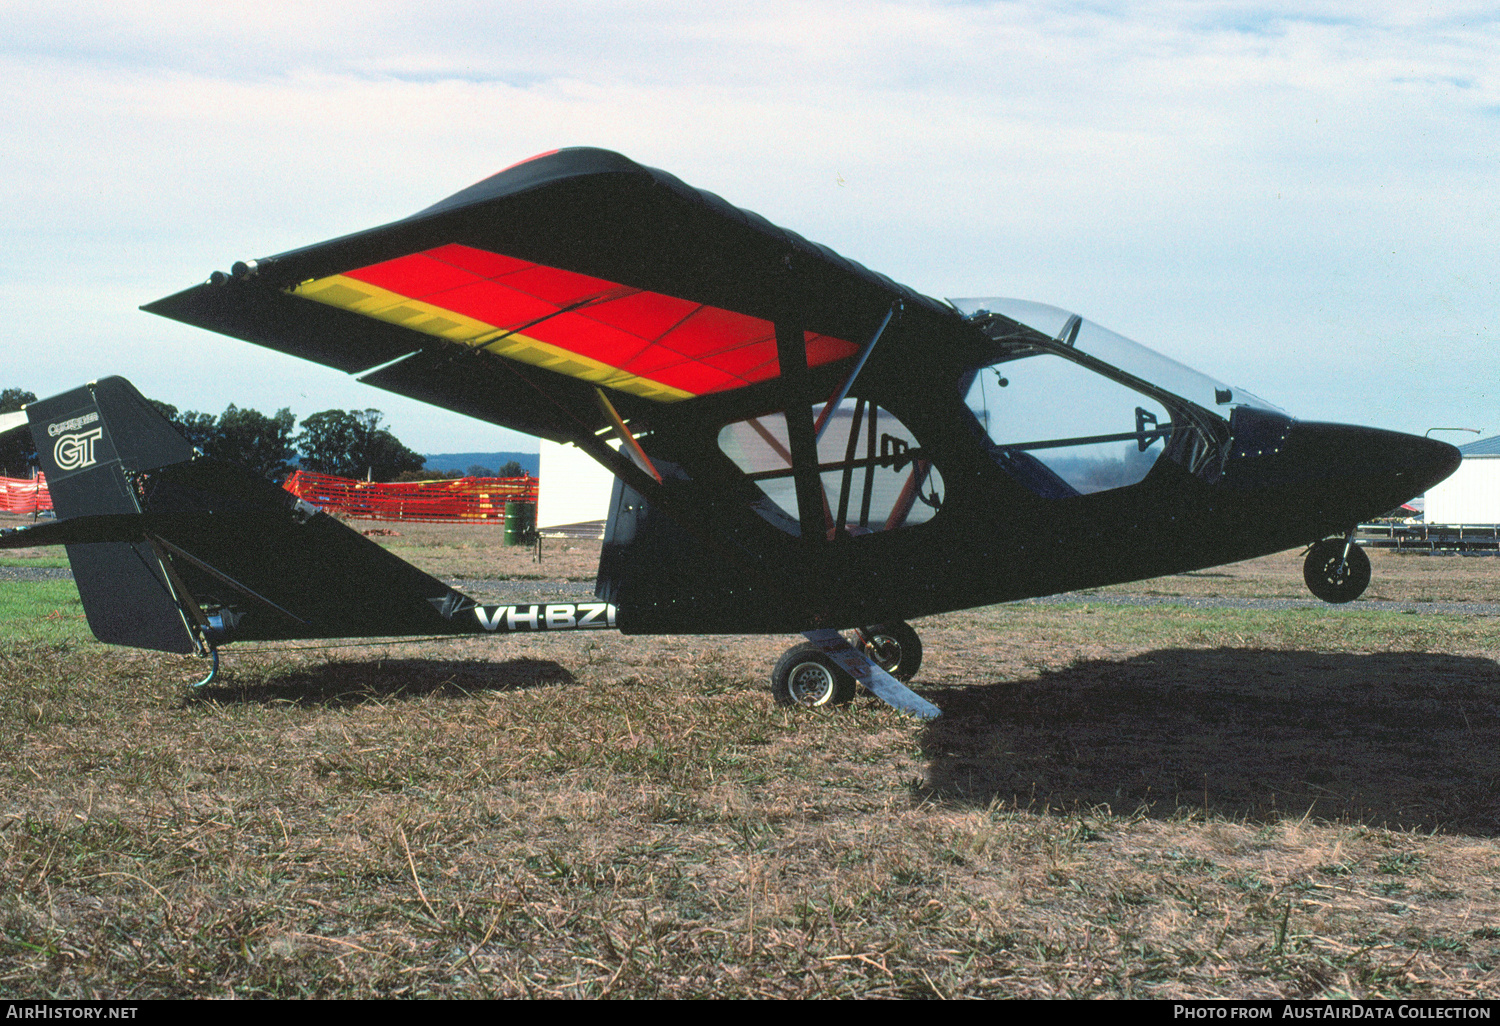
x=1071, y=408
x=1084, y=336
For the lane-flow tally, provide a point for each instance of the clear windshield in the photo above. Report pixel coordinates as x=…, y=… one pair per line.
x=1103, y=435
x=1117, y=351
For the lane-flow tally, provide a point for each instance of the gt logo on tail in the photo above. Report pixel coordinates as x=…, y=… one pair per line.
x=76, y=451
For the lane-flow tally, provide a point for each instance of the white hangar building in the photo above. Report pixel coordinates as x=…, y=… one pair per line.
x=573, y=493
x=1472, y=494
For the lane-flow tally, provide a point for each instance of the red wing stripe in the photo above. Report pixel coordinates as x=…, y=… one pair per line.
x=687, y=346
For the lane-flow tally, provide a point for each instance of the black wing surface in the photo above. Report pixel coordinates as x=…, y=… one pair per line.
x=514, y=299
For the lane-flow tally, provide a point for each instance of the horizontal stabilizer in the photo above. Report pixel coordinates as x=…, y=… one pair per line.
x=177, y=552
x=12, y=421
x=107, y=527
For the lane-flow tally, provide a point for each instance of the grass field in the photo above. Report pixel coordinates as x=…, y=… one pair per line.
x=1119, y=801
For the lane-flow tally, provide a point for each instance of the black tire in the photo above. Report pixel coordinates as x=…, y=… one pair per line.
x=1332, y=578
x=894, y=647
x=807, y=678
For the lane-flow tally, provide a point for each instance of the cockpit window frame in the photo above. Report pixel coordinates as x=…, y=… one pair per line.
x=878, y=510
x=1017, y=341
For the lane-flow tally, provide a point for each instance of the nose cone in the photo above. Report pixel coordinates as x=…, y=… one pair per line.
x=1354, y=473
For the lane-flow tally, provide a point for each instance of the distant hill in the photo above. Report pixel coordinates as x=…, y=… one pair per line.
x=446, y=461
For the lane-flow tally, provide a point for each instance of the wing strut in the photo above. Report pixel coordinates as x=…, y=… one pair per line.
x=875, y=680
x=843, y=391
x=791, y=353
x=627, y=440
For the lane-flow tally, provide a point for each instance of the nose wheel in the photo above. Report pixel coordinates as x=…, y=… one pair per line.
x=1336, y=570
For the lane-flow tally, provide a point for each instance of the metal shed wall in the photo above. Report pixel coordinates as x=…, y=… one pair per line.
x=1470, y=496
x=574, y=488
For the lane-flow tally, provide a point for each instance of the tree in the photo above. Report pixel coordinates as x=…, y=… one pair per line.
x=197, y=428
x=12, y=399
x=16, y=452
x=512, y=468
x=351, y=443
x=247, y=437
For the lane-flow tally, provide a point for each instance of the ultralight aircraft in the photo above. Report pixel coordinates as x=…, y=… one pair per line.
x=799, y=444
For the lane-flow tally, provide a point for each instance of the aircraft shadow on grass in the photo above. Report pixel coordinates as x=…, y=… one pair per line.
x=342, y=684
x=1397, y=739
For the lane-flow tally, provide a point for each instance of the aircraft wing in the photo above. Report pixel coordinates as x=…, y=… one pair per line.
x=512, y=300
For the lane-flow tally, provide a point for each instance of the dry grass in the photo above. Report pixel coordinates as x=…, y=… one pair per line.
x=1403, y=576
x=1120, y=802
x=453, y=551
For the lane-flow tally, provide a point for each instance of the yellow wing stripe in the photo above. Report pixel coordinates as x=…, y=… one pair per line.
x=383, y=305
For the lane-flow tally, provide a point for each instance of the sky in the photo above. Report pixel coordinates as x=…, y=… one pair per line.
x=1299, y=199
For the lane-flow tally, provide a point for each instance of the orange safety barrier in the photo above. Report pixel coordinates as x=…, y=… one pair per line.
x=23, y=495
x=461, y=500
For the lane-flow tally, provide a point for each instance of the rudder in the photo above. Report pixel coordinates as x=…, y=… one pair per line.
x=91, y=443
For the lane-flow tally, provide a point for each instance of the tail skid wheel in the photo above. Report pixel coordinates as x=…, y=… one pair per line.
x=894, y=647
x=1333, y=577
x=807, y=678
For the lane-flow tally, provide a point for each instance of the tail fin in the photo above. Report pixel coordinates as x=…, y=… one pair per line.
x=91, y=443
x=191, y=552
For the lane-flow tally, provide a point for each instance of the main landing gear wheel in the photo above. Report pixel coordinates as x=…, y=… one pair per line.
x=1332, y=577
x=806, y=677
x=894, y=647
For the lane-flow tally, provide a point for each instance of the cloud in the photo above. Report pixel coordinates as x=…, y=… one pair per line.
x=1288, y=195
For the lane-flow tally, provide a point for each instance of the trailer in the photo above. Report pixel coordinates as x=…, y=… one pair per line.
x=1432, y=539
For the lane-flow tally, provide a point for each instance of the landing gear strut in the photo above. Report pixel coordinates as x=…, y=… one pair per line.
x=1336, y=570
x=826, y=669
